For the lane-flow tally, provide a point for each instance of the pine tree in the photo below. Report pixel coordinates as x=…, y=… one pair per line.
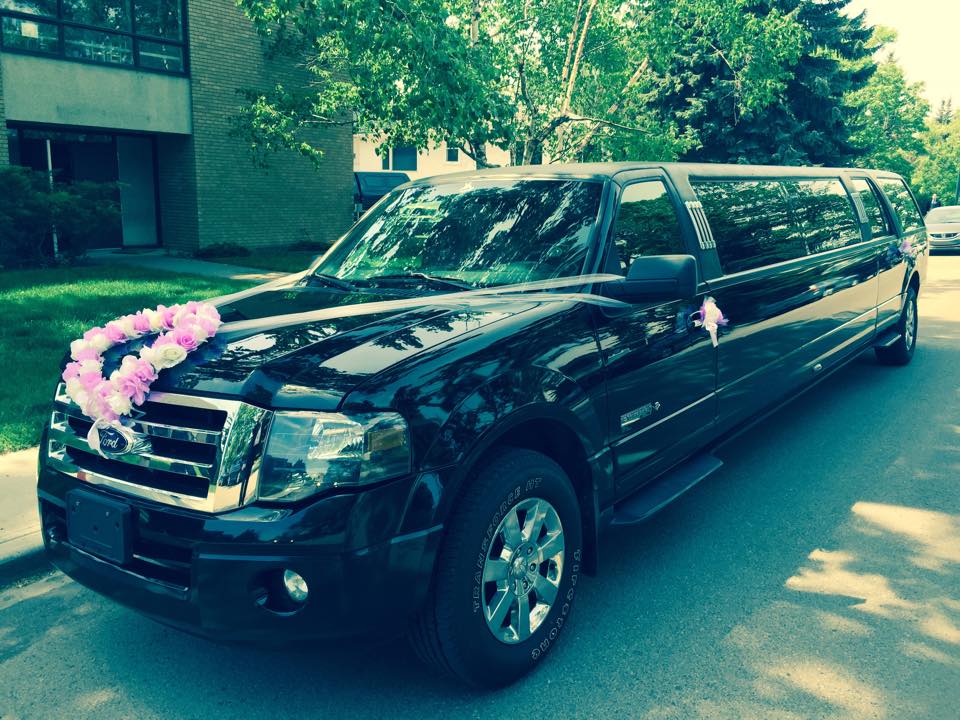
x=944, y=114
x=810, y=124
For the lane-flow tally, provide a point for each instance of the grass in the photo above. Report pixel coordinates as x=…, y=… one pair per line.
x=43, y=310
x=289, y=261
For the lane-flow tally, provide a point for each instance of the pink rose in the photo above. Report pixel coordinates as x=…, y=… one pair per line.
x=209, y=325
x=141, y=323
x=192, y=307
x=93, y=332
x=71, y=370
x=90, y=380
x=133, y=388
x=144, y=372
x=115, y=333
x=183, y=337
x=166, y=315
x=165, y=339
x=87, y=354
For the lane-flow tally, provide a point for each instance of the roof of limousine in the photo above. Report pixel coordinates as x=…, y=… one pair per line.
x=604, y=171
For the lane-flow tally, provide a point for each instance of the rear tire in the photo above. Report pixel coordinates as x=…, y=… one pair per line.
x=901, y=352
x=506, y=573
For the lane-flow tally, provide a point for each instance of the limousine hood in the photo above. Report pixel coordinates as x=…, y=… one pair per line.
x=274, y=361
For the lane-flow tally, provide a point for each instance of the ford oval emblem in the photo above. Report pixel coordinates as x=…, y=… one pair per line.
x=113, y=441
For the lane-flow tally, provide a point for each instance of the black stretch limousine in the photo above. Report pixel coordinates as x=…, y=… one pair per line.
x=427, y=430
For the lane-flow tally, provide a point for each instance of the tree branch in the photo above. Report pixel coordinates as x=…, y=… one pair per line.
x=575, y=67
x=614, y=106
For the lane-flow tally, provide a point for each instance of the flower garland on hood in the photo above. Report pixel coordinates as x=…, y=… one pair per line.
x=181, y=330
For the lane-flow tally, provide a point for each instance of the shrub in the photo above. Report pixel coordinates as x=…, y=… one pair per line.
x=30, y=209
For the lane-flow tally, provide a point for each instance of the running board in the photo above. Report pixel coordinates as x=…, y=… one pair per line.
x=888, y=339
x=661, y=492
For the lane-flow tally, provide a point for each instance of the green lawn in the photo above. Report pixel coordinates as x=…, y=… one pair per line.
x=43, y=310
x=290, y=261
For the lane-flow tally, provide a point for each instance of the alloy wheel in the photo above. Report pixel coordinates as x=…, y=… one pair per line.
x=522, y=570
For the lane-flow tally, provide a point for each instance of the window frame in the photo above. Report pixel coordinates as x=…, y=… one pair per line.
x=882, y=203
x=60, y=22
x=678, y=210
x=901, y=230
x=798, y=218
x=696, y=180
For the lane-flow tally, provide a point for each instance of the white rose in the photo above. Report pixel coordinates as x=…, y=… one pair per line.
x=199, y=334
x=101, y=343
x=126, y=324
x=168, y=355
x=82, y=398
x=120, y=404
x=89, y=366
x=155, y=321
x=78, y=346
x=74, y=388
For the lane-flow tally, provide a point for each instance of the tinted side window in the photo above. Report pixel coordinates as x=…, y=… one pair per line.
x=903, y=203
x=826, y=212
x=751, y=222
x=646, y=223
x=879, y=225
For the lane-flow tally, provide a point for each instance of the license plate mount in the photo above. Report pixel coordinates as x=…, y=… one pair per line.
x=99, y=526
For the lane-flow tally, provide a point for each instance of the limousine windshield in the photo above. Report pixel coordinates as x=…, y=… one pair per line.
x=479, y=233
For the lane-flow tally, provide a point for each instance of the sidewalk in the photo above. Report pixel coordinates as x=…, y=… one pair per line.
x=20, y=542
x=159, y=260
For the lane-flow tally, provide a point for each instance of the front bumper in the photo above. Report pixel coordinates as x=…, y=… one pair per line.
x=217, y=575
x=944, y=243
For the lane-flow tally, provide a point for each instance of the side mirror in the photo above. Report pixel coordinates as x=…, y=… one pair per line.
x=657, y=277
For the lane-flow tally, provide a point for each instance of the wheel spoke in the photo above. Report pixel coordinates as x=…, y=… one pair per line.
x=501, y=604
x=512, y=535
x=534, y=521
x=523, y=619
x=546, y=590
x=552, y=544
x=495, y=570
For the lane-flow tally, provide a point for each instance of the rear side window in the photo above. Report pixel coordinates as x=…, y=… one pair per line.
x=751, y=223
x=827, y=215
x=879, y=224
x=646, y=223
x=903, y=203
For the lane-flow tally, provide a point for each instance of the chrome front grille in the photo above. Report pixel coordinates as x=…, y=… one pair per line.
x=945, y=236
x=204, y=452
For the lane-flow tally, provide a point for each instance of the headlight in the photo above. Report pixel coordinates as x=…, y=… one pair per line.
x=309, y=452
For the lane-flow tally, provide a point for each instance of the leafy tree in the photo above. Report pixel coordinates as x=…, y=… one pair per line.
x=890, y=119
x=810, y=122
x=938, y=169
x=569, y=78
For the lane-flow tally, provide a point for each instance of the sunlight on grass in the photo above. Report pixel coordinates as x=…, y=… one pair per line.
x=43, y=310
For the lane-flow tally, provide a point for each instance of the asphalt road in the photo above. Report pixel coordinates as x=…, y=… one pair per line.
x=817, y=575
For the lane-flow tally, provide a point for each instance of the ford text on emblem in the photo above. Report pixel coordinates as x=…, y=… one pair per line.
x=113, y=441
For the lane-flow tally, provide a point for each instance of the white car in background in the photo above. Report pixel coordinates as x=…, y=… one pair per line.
x=943, y=227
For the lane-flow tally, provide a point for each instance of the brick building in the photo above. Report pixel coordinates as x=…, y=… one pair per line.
x=142, y=92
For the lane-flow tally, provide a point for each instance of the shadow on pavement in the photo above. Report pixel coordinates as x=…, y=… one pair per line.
x=814, y=576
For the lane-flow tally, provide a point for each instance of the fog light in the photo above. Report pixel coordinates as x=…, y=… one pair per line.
x=296, y=586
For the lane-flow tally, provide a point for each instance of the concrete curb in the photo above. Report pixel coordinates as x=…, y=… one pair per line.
x=21, y=546
x=25, y=558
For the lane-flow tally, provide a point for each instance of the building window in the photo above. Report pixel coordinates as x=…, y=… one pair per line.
x=144, y=34
x=385, y=158
x=453, y=154
x=404, y=158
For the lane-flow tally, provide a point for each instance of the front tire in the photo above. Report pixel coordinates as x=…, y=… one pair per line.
x=506, y=574
x=901, y=352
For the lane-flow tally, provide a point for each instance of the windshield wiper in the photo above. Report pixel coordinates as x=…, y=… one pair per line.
x=435, y=279
x=329, y=281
